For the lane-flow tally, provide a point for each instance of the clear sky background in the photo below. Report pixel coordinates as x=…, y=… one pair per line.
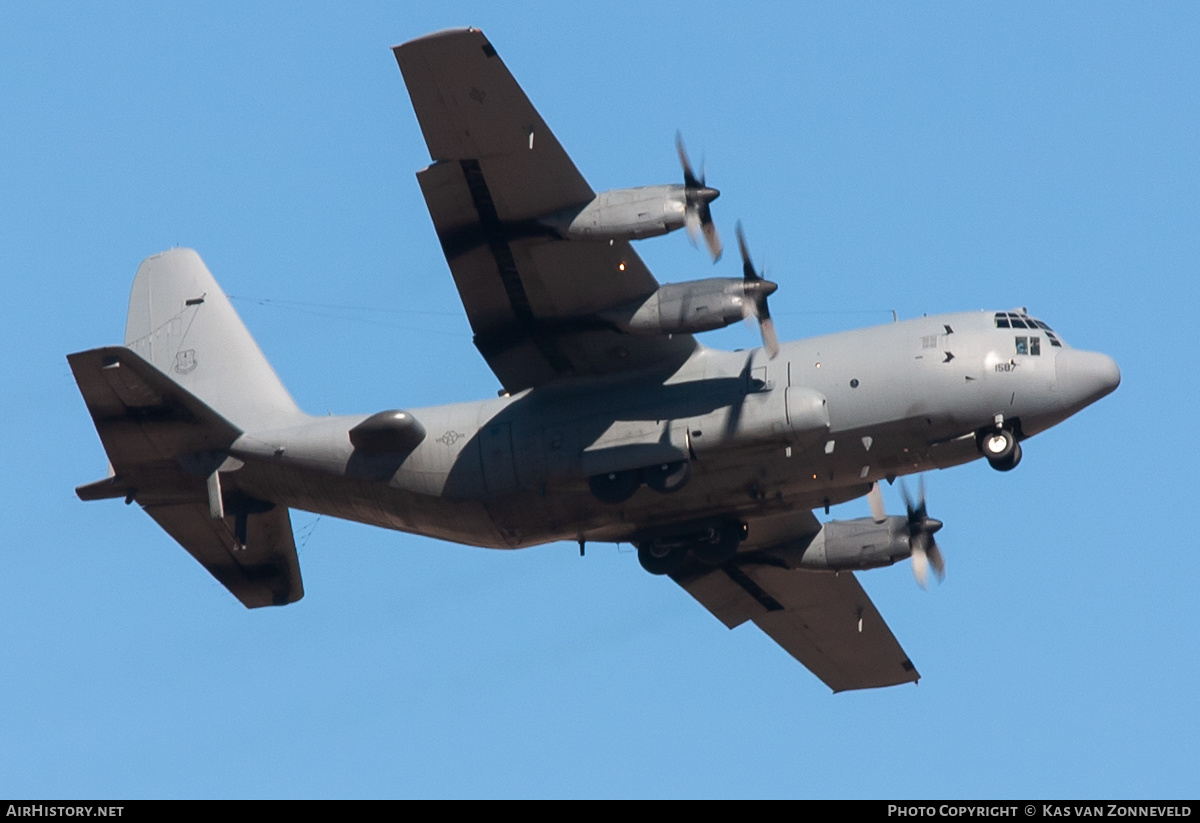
x=918, y=157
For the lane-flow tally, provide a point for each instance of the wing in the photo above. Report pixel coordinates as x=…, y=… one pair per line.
x=531, y=298
x=824, y=620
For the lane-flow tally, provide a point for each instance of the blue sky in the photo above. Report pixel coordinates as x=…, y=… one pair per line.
x=919, y=157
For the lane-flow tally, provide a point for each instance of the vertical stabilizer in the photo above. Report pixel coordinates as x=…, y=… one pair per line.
x=181, y=321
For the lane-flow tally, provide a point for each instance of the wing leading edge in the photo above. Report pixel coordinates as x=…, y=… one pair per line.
x=824, y=620
x=532, y=299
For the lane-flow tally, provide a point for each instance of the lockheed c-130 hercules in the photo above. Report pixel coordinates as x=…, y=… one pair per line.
x=615, y=424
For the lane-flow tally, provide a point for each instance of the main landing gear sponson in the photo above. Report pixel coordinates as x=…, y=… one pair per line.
x=713, y=545
x=617, y=487
x=1000, y=447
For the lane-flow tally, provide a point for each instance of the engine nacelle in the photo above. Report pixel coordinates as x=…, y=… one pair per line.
x=849, y=545
x=685, y=308
x=623, y=214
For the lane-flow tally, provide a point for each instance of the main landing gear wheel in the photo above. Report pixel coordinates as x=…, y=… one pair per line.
x=614, y=487
x=721, y=548
x=667, y=477
x=659, y=559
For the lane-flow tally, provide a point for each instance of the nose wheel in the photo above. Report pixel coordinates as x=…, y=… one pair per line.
x=1000, y=447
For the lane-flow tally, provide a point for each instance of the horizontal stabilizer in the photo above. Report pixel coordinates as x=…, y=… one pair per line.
x=263, y=572
x=142, y=415
x=168, y=451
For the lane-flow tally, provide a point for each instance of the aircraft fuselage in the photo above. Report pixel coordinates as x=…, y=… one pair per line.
x=815, y=426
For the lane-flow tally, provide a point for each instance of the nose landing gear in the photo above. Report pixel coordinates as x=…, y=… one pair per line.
x=1000, y=447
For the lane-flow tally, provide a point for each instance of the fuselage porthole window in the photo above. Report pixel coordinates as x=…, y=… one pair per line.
x=1022, y=345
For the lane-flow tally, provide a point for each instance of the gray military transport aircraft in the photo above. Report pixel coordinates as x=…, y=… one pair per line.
x=615, y=424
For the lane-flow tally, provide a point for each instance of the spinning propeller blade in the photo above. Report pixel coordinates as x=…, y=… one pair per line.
x=697, y=216
x=756, y=290
x=921, y=528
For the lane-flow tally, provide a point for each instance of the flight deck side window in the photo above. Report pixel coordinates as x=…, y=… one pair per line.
x=1029, y=345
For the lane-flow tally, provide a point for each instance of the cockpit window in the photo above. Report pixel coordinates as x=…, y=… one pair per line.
x=1020, y=320
x=1029, y=345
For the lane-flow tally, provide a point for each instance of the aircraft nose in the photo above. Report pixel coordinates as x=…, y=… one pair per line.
x=1085, y=376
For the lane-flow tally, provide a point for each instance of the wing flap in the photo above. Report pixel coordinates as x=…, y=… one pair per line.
x=814, y=616
x=824, y=620
x=830, y=625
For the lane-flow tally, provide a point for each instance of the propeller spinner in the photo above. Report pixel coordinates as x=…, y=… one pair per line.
x=756, y=290
x=697, y=216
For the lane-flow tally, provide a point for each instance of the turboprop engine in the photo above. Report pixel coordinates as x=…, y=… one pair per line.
x=870, y=542
x=648, y=211
x=694, y=306
x=703, y=305
x=856, y=544
x=624, y=214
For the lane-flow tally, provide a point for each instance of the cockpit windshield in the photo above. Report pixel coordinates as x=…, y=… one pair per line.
x=1020, y=320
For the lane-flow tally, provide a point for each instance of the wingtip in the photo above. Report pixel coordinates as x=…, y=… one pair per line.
x=441, y=34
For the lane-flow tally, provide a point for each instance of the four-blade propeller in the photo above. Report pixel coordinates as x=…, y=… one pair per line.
x=921, y=528
x=697, y=216
x=698, y=219
x=756, y=290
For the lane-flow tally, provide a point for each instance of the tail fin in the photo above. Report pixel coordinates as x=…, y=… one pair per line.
x=181, y=321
